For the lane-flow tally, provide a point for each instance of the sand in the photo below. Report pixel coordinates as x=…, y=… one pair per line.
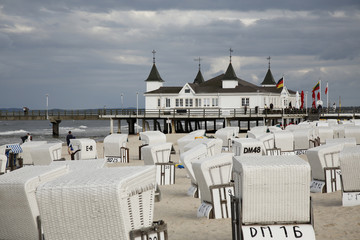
x=178, y=210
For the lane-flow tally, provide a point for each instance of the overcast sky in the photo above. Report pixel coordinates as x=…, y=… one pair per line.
x=85, y=53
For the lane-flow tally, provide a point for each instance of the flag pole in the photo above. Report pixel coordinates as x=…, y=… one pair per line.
x=327, y=96
x=320, y=89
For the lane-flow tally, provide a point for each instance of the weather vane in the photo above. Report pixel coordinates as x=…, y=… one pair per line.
x=153, y=52
x=269, y=60
x=230, y=53
x=199, y=60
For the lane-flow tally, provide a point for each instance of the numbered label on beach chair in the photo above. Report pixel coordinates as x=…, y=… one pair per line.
x=288, y=153
x=204, y=210
x=279, y=232
x=113, y=159
x=317, y=186
x=351, y=199
x=332, y=179
x=300, y=152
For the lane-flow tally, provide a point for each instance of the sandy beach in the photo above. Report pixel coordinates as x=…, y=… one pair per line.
x=178, y=210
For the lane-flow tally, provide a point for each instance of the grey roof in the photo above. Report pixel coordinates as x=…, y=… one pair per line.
x=269, y=79
x=154, y=75
x=199, y=78
x=230, y=73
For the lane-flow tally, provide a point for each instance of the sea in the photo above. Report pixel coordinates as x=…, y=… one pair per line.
x=41, y=130
x=12, y=131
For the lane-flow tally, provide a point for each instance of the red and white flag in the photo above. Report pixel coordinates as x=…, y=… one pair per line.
x=326, y=89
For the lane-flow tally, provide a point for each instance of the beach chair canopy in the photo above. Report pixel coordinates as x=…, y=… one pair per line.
x=152, y=137
x=105, y=203
x=19, y=208
x=113, y=143
x=272, y=189
x=46, y=153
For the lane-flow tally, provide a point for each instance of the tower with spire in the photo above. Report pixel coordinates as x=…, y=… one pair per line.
x=199, y=79
x=154, y=80
x=269, y=79
x=230, y=80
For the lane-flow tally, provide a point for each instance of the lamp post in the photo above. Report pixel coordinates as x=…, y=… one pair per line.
x=122, y=103
x=137, y=110
x=47, y=106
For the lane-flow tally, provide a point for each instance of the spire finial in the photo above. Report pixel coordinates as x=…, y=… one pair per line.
x=269, y=58
x=198, y=60
x=230, y=50
x=153, y=52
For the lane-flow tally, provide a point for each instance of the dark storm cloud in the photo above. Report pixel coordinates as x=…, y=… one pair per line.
x=86, y=53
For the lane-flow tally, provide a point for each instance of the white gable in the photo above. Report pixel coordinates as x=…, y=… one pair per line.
x=186, y=90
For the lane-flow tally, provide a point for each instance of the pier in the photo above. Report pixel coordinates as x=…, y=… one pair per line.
x=178, y=120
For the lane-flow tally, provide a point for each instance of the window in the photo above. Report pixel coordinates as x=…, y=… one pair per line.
x=206, y=102
x=177, y=102
x=186, y=102
x=159, y=102
x=245, y=102
x=190, y=102
x=199, y=102
x=187, y=90
x=215, y=102
x=167, y=102
x=181, y=102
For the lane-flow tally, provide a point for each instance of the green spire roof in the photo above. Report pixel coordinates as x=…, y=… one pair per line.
x=199, y=78
x=269, y=79
x=230, y=73
x=154, y=75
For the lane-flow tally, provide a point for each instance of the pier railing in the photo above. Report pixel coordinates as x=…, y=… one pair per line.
x=168, y=113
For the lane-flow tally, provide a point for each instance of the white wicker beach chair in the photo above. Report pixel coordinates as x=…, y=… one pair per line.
x=303, y=138
x=189, y=138
x=86, y=146
x=353, y=132
x=339, y=131
x=156, y=153
x=213, y=145
x=19, y=208
x=324, y=156
x=46, y=153
x=226, y=134
x=325, y=133
x=251, y=146
x=113, y=143
x=272, y=189
x=152, y=137
x=27, y=147
x=268, y=140
x=189, y=157
x=104, y=203
x=284, y=140
x=349, y=159
x=210, y=171
x=213, y=175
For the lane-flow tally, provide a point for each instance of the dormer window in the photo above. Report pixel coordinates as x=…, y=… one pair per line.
x=187, y=90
